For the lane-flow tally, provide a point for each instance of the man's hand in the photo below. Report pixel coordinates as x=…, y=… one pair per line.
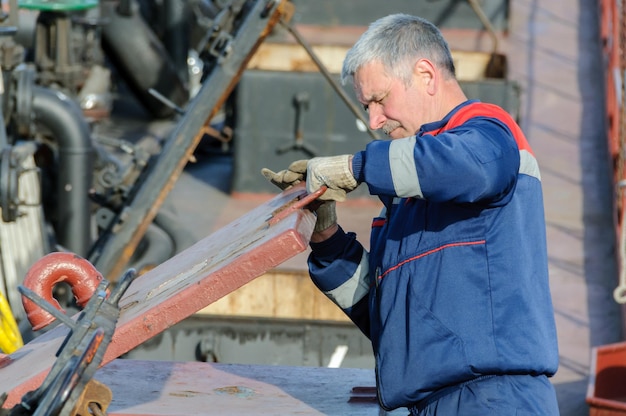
x=289, y=177
x=326, y=216
x=326, y=222
x=335, y=172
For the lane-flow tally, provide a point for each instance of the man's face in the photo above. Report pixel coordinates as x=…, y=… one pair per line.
x=391, y=106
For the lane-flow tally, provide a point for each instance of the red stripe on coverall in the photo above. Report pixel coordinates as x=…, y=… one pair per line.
x=486, y=110
x=419, y=256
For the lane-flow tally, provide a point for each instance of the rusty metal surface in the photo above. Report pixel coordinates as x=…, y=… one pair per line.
x=188, y=282
x=193, y=388
x=50, y=270
x=95, y=394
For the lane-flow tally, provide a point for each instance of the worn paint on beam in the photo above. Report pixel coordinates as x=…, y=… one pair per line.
x=215, y=266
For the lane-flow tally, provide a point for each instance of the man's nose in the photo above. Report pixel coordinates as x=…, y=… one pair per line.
x=377, y=118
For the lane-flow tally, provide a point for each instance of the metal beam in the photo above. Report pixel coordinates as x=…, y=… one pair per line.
x=198, y=276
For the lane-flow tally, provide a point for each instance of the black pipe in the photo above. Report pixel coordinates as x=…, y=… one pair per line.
x=64, y=119
x=141, y=60
x=177, y=17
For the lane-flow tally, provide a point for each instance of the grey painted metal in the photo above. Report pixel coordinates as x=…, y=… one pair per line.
x=275, y=135
x=64, y=118
x=206, y=389
x=350, y=103
x=255, y=340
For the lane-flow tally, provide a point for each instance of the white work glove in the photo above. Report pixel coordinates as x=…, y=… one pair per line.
x=293, y=175
x=335, y=173
x=289, y=177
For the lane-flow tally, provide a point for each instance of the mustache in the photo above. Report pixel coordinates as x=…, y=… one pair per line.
x=390, y=126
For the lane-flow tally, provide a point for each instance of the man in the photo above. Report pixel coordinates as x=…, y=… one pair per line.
x=454, y=292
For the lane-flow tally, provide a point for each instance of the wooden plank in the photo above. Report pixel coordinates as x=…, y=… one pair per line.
x=276, y=294
x=470, y=66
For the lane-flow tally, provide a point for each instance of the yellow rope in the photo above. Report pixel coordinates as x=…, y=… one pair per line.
x=10, y=337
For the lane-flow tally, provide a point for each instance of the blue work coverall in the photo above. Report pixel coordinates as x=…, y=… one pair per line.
x=454, y=292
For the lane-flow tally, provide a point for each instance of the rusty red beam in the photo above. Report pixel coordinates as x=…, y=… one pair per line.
x=193, y=279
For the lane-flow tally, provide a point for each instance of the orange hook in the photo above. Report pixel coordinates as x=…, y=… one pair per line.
x=52, y=269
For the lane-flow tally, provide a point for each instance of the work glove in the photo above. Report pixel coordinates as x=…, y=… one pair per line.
x=326, y=216
x=293, y=175
x=333, y=172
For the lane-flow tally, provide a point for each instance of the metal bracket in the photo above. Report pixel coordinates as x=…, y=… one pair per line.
x=301, y=103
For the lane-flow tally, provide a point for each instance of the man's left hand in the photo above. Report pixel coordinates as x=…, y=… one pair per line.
x=335, y=172
x=289, y=177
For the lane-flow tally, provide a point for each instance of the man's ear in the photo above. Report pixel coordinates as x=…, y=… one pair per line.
x=425, y=73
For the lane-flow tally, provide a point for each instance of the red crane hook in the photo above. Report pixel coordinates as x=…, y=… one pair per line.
x=52, y=269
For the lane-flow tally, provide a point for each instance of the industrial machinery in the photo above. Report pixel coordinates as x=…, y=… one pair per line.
x=71, y=178
x=105, y=103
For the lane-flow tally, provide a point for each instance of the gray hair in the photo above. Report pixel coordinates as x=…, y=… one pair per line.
x=397, y=41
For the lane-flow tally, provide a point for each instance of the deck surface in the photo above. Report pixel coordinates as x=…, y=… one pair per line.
x=208, y=389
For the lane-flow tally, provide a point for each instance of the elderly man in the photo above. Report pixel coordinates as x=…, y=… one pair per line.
x=454, y=292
